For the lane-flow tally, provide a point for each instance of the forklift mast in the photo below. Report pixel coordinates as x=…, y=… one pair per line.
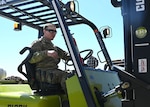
x=136, y=21
x=136, y=40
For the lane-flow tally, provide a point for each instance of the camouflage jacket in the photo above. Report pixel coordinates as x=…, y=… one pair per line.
x=40, y=57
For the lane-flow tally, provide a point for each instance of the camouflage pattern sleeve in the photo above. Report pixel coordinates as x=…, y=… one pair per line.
x=62, y=54
x=39, y=54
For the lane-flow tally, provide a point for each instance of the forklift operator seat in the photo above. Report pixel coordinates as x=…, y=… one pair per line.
x=42, y=88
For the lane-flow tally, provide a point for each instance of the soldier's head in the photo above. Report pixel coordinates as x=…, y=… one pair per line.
x=49, y=31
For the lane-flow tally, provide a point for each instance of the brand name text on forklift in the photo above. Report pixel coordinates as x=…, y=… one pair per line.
x=140, y=5
x=16, y=105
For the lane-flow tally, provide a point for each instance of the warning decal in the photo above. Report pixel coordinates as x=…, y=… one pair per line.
x=142, y=63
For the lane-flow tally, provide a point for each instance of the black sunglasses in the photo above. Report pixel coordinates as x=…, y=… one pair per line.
x=51, y=30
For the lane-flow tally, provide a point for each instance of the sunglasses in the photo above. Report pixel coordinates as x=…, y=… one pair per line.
x=51, y=30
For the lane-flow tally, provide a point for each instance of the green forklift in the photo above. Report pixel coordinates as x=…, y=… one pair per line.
x=87, y=86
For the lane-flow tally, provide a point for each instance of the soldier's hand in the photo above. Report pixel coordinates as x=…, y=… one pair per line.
x=52, y=53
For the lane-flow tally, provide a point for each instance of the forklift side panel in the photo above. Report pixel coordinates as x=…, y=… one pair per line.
x=75, y=93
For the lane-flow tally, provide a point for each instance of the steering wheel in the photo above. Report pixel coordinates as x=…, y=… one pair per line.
x=89, y=54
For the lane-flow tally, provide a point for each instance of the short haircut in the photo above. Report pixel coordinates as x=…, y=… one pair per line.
x=48, y=24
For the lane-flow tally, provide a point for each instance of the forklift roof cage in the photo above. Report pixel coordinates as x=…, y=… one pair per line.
x=36, y=13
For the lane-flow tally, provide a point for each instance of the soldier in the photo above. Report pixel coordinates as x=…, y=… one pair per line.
x=47, y=56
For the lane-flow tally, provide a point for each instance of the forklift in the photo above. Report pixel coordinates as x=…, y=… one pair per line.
x=87, y=86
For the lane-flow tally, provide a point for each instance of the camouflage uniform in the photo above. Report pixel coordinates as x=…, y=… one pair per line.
x=46, y=66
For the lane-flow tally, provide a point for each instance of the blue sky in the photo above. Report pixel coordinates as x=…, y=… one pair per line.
x=100, y=12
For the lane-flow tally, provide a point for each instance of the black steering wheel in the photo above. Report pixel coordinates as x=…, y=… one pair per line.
x=90, y=52
x=88, y=55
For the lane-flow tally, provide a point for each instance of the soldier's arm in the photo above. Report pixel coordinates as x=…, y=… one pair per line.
x=38, y=54
x=62, y=54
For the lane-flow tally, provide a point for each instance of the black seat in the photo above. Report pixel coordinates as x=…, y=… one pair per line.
x=41, y=88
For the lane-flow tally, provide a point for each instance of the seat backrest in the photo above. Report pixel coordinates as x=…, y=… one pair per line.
x=30, y=69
